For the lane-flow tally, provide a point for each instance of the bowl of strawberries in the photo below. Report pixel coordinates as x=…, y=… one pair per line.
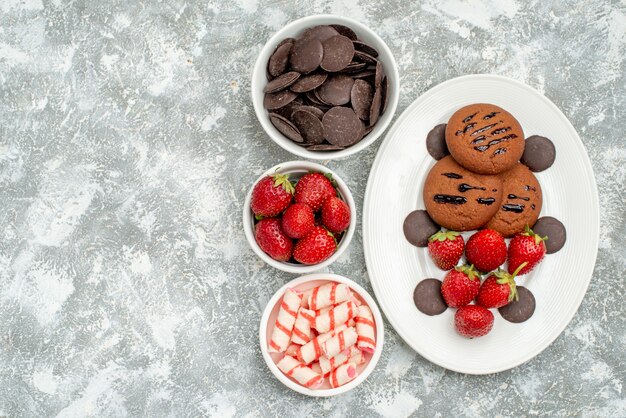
x=299, y=217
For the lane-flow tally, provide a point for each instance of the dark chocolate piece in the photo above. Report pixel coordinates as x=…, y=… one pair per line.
x=436, y=142
x=361, y=98
x=554, y=230
x=306, y=55
x=281, y=82
x=539, y=153
x=338, y=53
x=309, y=125
x=342, y=126
x=519, y=310
x=428, y=298
x=418, y=227
x=286, y=127
x=308, y=82
x=279, y=59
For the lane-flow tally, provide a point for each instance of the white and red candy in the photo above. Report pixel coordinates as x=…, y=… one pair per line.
x=281, y=335
x=342, y=375
x=300, y=372
x=312, y=350
x=366, y=340
x=339, y=342
x=301, y=333
x=324, y=333
x=340, y=314
x=328, y=294
x=353, y=355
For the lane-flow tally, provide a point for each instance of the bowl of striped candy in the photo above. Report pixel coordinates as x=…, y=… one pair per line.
x=321, y=334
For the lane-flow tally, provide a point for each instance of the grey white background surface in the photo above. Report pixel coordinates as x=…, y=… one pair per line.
x=127, y=144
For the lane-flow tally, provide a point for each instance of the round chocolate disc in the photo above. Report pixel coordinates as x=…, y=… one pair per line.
x=308, y=82
x=312, y=97
x=378, y=78
x=338, y=53
x=273, y=101
x=281, y=82
x=342, y=126
x=325, y=147
x=336, y=90
x=428, y=298
x=418, y=227
x=315, y=110
x=306, y=55
x=321, y=32
x=436, y=142
x=375, y=108
x=354, y=67
x=539, y=153
x=364, y=74
x=285, y=41
x=363, y=47
x=345, y=31
x=361, y=98
x=309, y=125
x=279, y=59
x=385, y=90
x=285, y=127
x=519, y=310
x=364, y=57
x=554, y=230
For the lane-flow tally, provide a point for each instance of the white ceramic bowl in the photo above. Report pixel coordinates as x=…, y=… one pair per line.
x=295, y=28
x=308, y=282
x=297, y=169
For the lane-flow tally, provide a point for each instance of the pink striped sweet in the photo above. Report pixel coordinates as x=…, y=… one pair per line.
x=340, y=314
x=301, y=333
x=305, y=298
x=352, y=355
x=312, y=350
x=281, y=334
x=366, y=340
x=329, y=294
x=342, y=375
x=292, y=350
x=339, y=342
x=322, y=311
x=300, y=372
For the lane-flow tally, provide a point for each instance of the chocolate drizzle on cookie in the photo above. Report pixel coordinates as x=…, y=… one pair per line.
x=467, y=128
x=446, y=198
x=483, y=129
x=511, y=207
x=470, y=117
x=452, y=175
x=486, y=200
x=499, y=151
x=463, y=187
x=490, y=115
x=513, y=196
x=484, y=148
x=528, y=187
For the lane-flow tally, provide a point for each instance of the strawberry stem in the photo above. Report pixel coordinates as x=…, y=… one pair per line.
x=519, y=268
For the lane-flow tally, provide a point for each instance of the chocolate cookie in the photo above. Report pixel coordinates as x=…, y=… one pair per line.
x=550, y=227
x=485, y=138
x=521, y=202
x=459, y=199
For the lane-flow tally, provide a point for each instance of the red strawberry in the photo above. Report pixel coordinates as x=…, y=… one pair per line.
x=271, y=195
x=316, y=247
x=498, y=289
x=335, y=214
x=486, y=250
x=460, y=286
x=271, y=238
x=526, y=247
x=313, y=189
x=473, y=321
x=446, y=249
x=298, y=220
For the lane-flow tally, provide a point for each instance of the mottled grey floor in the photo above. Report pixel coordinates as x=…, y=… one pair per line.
x=128, y=142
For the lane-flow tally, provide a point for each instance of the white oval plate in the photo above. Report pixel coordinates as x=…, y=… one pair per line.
x=395, y=188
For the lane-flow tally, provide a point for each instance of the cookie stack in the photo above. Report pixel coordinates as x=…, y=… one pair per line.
x=481, y=183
